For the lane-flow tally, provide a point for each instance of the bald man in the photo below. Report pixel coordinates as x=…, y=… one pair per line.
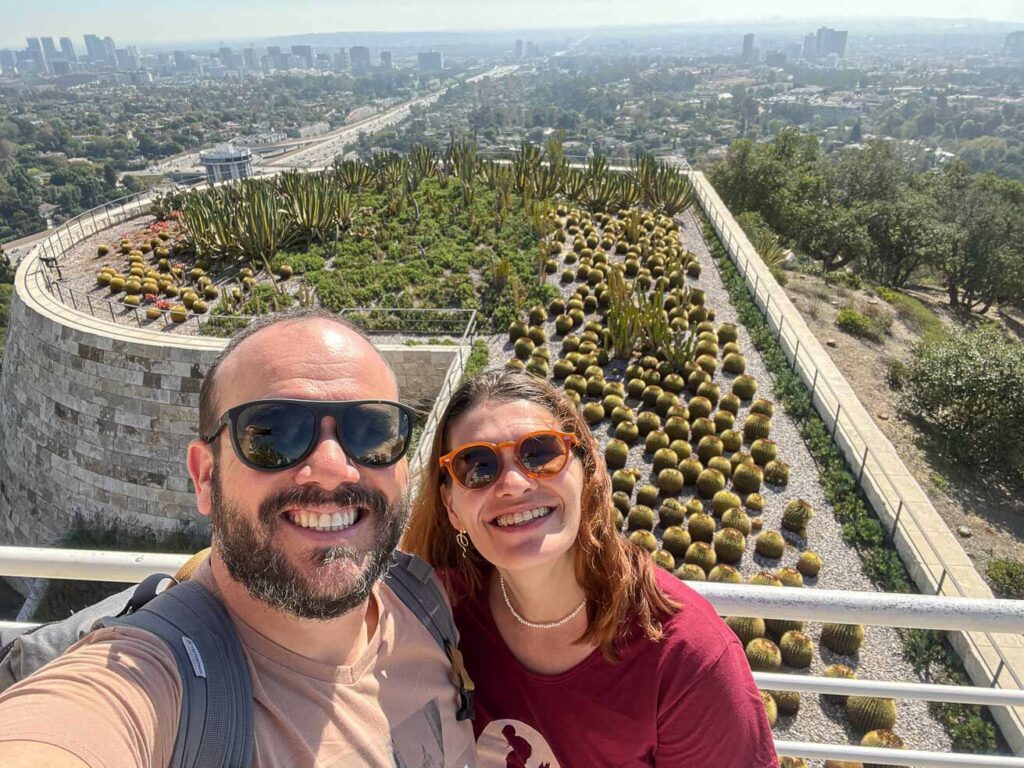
x=300, y=467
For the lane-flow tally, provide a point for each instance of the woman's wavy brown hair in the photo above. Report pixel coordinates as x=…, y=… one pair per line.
x=617, y=577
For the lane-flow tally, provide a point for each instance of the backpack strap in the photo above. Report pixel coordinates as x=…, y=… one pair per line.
x=411, y=579
x=216, y=725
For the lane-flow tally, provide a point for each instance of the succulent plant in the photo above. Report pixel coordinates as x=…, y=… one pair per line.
x=727, y=332
x=623, y=480
x=650, y=395
x=517, y=330
x=593, y=413
x=695, y=379
x=703, y=554
x=645, y=540
x=881, y=739
x=570, y=344
x=640, y=517
x=690, y=572
x=776, y=472
x=536, y=365
x=756, y=524
x=515, y=364
x=620, y=414
x=770, y=544
x=730, y=545
x=722, y=501
x=779, y=627
x=809, y=564
x=797, y=649
x=681, y=448
x=710, y=391
x=736, y=519
x=731, y=439
x=710, y=482
x=763, y=407
x=694, y=506
x=665, y=401
x=870, y=713
x=746, y=628
x=757, y=426
x=722, y=465
x=740, y=457
x=754, y=502
x=676, y=540
x=699, y=407
x=664, y=458
x=621, y=501
x=664, y=559
x=701, y=428
x=701, y=527
x=763, y=451
x=744, y=387
x=671, y=512
x=795, y=516
x=576, y=383
x=595, y=386
x=763, y=655
x=746, y=478
x=840, y=671
x=673, y=383
x=708, y=447
x=670, y=481
x=647, y=495
x=788, y=704
x=691, y=469
x=656, y=440
x=627, y=432
x=725, y=574
x=615, y=454
x=730, y=403
x=790, y=577
x=844, y=639
x=734, y=363
x=648, y=422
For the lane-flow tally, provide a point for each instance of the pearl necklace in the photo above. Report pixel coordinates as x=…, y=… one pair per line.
x=533, y=625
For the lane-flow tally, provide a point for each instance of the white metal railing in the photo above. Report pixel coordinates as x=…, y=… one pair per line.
x=884, y=609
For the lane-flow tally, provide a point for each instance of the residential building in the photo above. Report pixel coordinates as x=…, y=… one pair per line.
x=249, y=58
x=340, y=60
x=359, y=55
x=38, y=55
x=94, y=49
x=50, y=49
x=8, y=63
x=109, y=51
x=831, y=41
x=748, y=48
x=67, y=49
x=304, y=52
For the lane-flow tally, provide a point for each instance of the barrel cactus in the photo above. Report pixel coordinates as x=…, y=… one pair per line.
x=671, y=512
x=710, y=482
x=744, y=387
x=524, y=347
x=765, y=579
x=763, y=655
x=701, y=527
x=635, y=388
x=699, y=407
x=730, y=403
x=722, y=501
x=701, y=428
x=776, y=472
x=670, y=481
x=763, y=407
x=711, y=391
x=703, y=554
x=640, y=517
x=708, y=447
x=677, y=428
x=648, y=422
x=620, y=414
x=755, y=503
x=796, y=515
x=840, y=671
x=517, y=330
x=881, y=739
x=757, y=426
x=627, y=432
x=870, y=713
x=770, y=544
x=729, y=545
x=725, y=574
x=844, y=639
x=691, y=469
x=576, y=383
x=797, y=649
x=762, y=451
x=664, y=559
x=690, y=572
x=746, y=628
x=593, y=413
x=736, y=519
x=656, y=440
x=790, y=577
x=676, y=540
x=788, y=702
x=673, y=383
x=809, y=564
x=644, y=540
x=681, y=448
x=747, y=478
x=650, y=395
x=663, y=459
x=665, y=401
x=621, y=501
x=615, y=454
x=734, y=363
x=623, y=480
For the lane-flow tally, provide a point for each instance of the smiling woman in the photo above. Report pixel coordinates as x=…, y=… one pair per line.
x=562, y=621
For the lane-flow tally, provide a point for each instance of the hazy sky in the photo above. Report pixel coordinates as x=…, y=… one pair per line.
x=226, y=19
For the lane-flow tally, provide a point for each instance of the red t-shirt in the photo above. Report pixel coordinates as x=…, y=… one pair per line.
x=688, y=701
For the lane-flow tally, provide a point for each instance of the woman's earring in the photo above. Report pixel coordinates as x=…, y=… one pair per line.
x=463, y=541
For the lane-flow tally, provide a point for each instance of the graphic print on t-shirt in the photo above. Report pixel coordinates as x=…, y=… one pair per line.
x=513, y=744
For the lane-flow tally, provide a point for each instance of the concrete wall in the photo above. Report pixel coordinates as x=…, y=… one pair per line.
x=95, y=417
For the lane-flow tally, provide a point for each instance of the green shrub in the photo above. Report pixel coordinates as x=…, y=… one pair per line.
x=965, y=386
x=1007, y=577
x=896, y=375
x=854, y=323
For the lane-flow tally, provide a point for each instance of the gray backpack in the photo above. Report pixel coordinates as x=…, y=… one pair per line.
x=215, y=728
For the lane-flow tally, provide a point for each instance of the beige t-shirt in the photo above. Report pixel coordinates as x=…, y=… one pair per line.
x=114, y=699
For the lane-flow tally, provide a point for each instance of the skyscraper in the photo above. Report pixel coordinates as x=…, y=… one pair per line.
x=340, y=60
x=109, y=51
x=304, y=52
x=249, y=58
x=35, y=51
x=49, y=49
x=519, y=49
x=831, y=41
x=67, y=48
x=430, y=62
x=360, y=58
x=810, y=47
x=748, y=48
x=94, y=50
x=385, y=60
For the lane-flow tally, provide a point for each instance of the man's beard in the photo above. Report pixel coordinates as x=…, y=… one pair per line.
x=248, y=552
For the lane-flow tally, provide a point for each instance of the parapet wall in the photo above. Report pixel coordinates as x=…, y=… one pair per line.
x=95, y=417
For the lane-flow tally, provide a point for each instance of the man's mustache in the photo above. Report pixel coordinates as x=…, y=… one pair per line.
x=310, y=496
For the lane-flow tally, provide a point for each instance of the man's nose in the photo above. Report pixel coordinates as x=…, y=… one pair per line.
x=328, y=465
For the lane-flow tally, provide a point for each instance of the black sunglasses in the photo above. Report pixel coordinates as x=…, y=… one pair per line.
x=278, y=434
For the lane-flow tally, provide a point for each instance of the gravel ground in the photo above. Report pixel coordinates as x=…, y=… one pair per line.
x=880, y=657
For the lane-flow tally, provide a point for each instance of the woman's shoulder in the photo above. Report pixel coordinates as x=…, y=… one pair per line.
x=694, y=631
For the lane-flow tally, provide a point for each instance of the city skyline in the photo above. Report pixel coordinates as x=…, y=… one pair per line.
x=233, y=20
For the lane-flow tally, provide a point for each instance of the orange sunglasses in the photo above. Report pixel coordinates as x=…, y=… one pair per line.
x=538, y=454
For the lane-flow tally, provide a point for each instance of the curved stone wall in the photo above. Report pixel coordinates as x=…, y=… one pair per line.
x=95, y=417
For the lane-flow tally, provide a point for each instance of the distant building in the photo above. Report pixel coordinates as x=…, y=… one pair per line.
x=67, y=49
x=304, y=52
x=775, y=59
x=50, y=49
x=226, y=162
x=385, y=60
x=831, y=41
x=94, y=49
x=1015, y=43
x=182, y=62
x=810, y=49
x=430, y=62
x=360, y=58
x=109, y=51
x=519, y=49
x=128, y=59
x=8, y=63
x=249, y=58
x=224, y=54
x=340, y=61
x=748, y=48
x=38, y=56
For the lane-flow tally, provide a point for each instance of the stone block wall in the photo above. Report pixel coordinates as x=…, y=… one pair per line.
x=95, y=418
